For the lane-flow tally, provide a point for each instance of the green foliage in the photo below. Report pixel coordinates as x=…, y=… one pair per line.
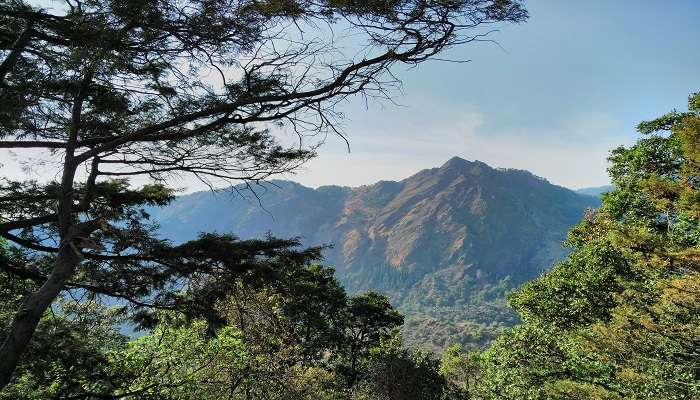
x=181, y=362
x=70, y=351
x=576, y=292
x=296, y=334
x=371, y=313
x=620, y=317
x=462, y=370
x=395, y=373
x=368, y=319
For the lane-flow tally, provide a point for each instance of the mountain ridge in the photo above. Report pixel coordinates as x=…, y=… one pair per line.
x=434, y=242
x=596, y=191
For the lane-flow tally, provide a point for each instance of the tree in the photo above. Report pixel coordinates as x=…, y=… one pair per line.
x=133, y=88
x=578, y=291
x=181, y=361
x=395, y=373
x=652, y=336
x=620, y=317
x=289, y=327
x=79, y=352
x=70, y=351
x=461, y=370
x=368, y=319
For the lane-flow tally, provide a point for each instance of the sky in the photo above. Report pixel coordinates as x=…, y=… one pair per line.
x=554, y=96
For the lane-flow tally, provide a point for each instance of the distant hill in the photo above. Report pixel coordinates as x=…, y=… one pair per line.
x=446, y=243
x=596, y=191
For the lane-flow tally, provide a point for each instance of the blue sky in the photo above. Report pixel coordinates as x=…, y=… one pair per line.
x=553, y=97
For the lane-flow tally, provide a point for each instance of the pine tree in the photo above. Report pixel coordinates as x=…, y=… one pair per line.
x=135, y=88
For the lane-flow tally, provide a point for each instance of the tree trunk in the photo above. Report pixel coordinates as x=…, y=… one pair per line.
x=32, y=308
x=34, y=305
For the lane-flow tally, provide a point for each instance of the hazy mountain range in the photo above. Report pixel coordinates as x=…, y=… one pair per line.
x=595, y=191
x=446, y=244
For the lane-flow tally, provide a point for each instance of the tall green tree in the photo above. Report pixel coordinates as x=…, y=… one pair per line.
x=393, y=372
x=110, y=90
x=620, y=318
x=462, y=370
x=367, y=320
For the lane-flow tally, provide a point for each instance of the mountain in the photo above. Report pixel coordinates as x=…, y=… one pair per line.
x=596, y=191
x=446, y=244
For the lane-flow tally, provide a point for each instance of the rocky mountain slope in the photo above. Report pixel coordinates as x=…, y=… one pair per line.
x=446, y=243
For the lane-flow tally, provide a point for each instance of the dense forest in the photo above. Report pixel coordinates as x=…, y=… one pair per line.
x=119, y=97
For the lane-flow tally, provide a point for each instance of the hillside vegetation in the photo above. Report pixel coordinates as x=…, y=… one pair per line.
x=445, y=244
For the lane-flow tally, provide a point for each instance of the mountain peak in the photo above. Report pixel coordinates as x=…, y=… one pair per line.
x=456, y=162
x=459, y=162
x=434, y=240
x=460, y=166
